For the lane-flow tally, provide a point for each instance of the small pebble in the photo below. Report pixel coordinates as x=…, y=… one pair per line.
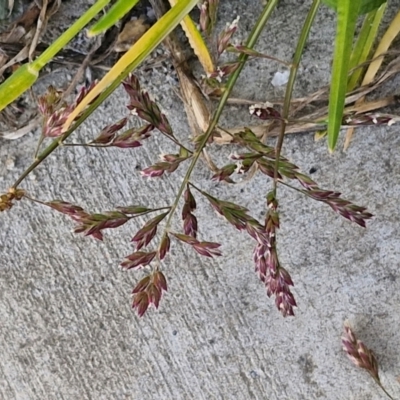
x=280, y=78
x=253, y=374
x=10, y=164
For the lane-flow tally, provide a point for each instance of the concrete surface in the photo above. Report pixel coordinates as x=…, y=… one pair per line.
x=67, y=330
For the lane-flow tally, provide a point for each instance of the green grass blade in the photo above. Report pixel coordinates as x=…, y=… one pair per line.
x=20, y=81
x=305, y=31
x=26, y=75
x=254, y=35
x=347, y=13
x=68, y=35
x=116, y=12
x=298, y=55
x=363, y=46
x=136, y=54
x=366, y=6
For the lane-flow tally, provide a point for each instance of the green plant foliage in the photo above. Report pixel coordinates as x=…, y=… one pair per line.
x=362, y=47
x=27, y=74
x=60, y=118
x=366, y=5
x=135, y=55
x=117, y=11
x=348, y=12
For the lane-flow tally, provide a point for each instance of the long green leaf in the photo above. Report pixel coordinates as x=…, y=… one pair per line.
x=136, y=54
x=113, y=79
x=347, y=13
x=25, y=76
x=366, y=6
x=116, y=12
x=363, y=46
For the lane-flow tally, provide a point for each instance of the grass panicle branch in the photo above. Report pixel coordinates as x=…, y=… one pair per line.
x=255, y=155
x=264, y=157
x=275, y=278
x=148, y=292
x=361, y=356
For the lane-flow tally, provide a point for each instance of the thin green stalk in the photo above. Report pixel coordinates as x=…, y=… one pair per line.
x=253, y=37
x=86, y=113
x=39, y=143
x=292, y=78
x=282, y=182
x=381, y=386
x=43, y=203
x=177, y=142
x=105, y=146
x=55, y=143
